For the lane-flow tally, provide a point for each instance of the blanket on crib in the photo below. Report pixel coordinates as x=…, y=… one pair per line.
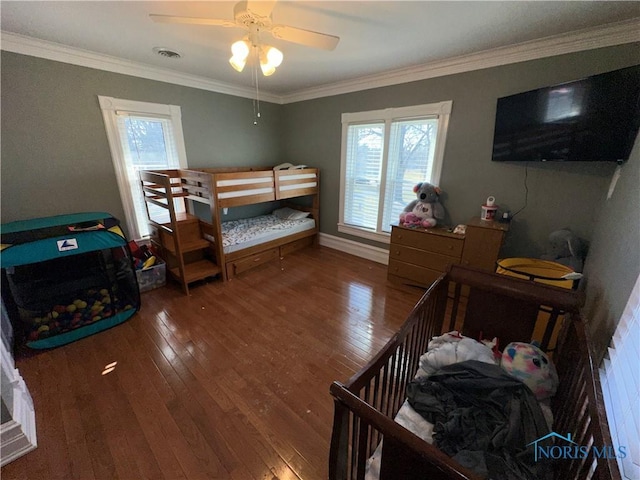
x=484, y=418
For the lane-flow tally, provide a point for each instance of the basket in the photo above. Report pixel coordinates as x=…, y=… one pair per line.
x=541, y=271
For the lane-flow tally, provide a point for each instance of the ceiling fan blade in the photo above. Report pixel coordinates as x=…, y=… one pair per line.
x=192, y=20
x=305, y=37
x=261, y=8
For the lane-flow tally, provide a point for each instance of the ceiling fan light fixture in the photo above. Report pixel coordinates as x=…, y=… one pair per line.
x=238, y=63
x=274, y=56
x=266, y=65
x=267, y=69
x=240, y=50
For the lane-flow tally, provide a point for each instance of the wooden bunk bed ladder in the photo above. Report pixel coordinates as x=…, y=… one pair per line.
x=178, y=234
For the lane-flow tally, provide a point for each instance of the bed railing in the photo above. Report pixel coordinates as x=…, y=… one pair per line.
x=243, y=188
x=367, y=403
x=296, y=183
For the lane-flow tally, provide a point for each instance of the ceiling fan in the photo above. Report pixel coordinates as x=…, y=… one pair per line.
x=255, y=18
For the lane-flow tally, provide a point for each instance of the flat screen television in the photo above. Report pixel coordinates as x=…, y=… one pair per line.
x=595, y=119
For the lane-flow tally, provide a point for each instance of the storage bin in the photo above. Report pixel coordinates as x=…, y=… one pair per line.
x=542, y=271
x=152, y=277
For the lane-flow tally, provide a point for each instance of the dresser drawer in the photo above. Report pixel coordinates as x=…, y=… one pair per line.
x=290, y=247
x=427, y=241
x=411, y=274
x=414, y=256
x=247, y=263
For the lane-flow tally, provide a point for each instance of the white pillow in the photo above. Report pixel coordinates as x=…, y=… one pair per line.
x=287, y=213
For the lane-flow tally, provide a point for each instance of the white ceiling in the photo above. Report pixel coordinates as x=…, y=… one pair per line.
x=375, y=36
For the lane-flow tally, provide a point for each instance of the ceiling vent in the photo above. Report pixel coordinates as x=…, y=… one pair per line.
x=166, y=52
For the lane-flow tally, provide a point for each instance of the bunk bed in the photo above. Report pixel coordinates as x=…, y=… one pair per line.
x=196, y=249
x=370, y=415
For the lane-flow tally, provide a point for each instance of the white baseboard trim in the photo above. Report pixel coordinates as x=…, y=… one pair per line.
x=375, y=254
x=15, y=442
x=18, y=435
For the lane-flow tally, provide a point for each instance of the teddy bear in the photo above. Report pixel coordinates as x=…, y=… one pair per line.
x=425, y=210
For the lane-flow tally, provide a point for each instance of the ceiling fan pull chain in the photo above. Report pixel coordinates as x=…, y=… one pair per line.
x=256, y=101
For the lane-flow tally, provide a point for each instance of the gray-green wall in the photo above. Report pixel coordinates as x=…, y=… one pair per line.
x=55, y=154
x=613, y=264
x=560, y=195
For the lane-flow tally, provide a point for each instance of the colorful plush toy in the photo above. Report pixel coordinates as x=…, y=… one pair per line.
x=529, y=364
x=425, y=210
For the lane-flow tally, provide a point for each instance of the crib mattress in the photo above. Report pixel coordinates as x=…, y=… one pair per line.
x=248, y=232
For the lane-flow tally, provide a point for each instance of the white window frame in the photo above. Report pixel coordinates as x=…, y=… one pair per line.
x=441, y=110
x=621, y=386
x=111, y=108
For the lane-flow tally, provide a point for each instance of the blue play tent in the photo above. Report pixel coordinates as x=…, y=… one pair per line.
x=66, y=277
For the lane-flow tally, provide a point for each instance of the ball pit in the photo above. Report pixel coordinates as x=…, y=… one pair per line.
x=91, y=306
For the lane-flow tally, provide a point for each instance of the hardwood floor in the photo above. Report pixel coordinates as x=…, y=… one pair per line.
x=231, y=382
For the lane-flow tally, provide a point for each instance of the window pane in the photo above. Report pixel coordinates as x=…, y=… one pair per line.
x=411, y=154
x=148, y=150
x=363, y=173
x=146, y=143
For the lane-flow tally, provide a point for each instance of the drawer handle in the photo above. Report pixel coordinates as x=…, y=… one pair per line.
x=397, y=252
x=450, y=247
x=257, y=259
x=399, y=236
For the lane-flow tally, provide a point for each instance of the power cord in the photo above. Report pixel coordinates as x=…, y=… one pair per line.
x=526, y=189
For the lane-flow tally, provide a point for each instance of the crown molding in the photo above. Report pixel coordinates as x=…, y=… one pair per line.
x=587, y=39
x=24, y=45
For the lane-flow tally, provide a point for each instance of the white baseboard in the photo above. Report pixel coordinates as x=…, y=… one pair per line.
x=18, y=435
x=15, y=442
x=375, y=254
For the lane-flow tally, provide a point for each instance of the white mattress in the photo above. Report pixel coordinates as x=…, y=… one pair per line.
x=247, y=232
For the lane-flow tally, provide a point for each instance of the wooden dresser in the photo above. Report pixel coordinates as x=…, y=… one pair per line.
x=418, y=257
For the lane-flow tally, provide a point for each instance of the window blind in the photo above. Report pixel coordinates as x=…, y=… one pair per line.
x=363, y=171
x=148, y=142
x=620, y=379
x=385, y=153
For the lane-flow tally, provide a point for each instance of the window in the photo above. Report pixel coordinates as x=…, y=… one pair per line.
x=384, y=154
x=621, y=386
x=142, y=136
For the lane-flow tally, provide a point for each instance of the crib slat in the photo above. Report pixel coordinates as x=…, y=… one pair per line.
x=577, y=405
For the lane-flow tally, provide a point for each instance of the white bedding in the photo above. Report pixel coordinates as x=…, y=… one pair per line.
x=248, y=232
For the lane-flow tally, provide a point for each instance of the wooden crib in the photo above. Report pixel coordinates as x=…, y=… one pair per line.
x=464, y=299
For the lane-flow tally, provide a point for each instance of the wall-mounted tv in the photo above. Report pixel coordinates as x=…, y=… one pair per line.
x=595, y=119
